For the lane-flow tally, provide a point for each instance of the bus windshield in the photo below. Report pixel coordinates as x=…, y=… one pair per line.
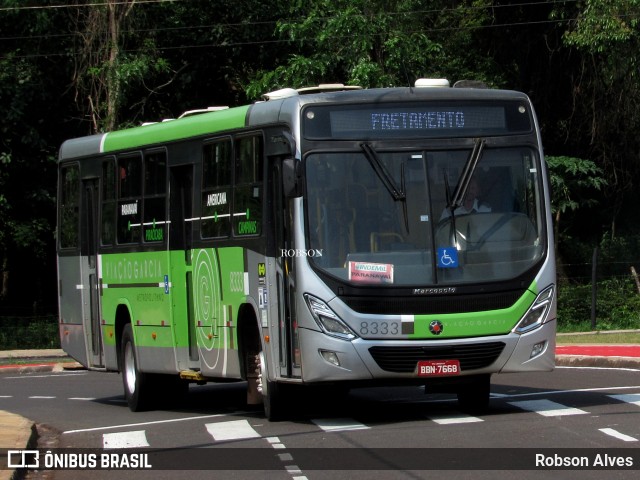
x=381, y=217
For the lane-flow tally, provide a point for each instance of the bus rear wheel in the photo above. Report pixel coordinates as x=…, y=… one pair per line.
x=138, y=386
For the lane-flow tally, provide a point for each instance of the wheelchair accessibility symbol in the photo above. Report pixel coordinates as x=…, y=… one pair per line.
x=447, y=257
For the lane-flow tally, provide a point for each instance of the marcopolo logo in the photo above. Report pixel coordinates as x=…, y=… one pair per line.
x=297, y=252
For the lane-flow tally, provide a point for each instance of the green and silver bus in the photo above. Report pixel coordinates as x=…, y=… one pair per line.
x=329, y=237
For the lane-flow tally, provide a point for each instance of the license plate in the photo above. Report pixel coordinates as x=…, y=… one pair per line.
x=438, y=368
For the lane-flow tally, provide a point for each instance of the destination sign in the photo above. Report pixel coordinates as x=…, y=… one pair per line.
x=415, y=120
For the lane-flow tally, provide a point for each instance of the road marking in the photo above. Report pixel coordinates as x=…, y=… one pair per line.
x=573, y=390
x=618, y=435
x=453, y=418
x=142, y=424
x=125, y=439
x=633, y=398
x=45, y=397
x=275, y=442
x=547, y=408
x=234, y=430
x=6, y=396
x=86, y=399
x=339, y=424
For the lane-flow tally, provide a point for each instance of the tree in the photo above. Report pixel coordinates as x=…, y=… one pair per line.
x=605, y=106
x=573, y=182
x=375, y=43
x=104, y=70
x=30, y=75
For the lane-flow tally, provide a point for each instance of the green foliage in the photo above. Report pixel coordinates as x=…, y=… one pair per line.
x=573, y=182
x=371, y=43
x=29, y=332
x=604, y=24
x=617, y=306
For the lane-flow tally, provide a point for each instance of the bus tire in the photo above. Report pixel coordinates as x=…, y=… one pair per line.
x=273, y=398
x=473, y=397
x=138, y=386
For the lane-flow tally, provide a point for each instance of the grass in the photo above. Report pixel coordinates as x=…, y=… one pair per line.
x=630, y=337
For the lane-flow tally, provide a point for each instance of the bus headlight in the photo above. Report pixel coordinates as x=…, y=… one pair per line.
x=327, y=320
x=537, y=313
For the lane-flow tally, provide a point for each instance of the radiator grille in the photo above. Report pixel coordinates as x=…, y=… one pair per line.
x=404, y=359
x=431, y=305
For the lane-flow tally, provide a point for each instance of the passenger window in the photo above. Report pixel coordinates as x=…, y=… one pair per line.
x=247, y=211
x=69, y=207
x=216, y=189
x=129, y=197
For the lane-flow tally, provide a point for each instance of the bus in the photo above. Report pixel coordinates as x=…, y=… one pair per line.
x=329, y=237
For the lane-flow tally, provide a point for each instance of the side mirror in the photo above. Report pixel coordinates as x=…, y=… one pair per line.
x=291, y=178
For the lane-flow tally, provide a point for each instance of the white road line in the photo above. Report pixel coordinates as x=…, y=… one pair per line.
x=339, y=424
x=573, y=390
x=618, y=435
x=453, y=418
x=142, y=424
x=86, y=399
x=6, y=396
x=234, y=430
x=275, y=442
x=547, y=408
x=45, y=397
x=633, y=398
x=125, y=440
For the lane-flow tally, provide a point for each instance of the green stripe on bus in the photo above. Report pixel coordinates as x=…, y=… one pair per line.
x=474, y=324
x=169, y=131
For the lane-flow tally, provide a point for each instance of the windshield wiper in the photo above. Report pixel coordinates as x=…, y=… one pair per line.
x=465, y=176
x=382, y=172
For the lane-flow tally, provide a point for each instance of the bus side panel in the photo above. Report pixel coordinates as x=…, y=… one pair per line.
x=71, y=306
x=220, y=287
x=141, y=281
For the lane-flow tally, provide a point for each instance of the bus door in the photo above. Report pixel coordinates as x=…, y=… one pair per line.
x=90, y=285
x=285, y=279
x=180, y=244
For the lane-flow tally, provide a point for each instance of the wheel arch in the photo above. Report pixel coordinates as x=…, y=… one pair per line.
x=123, y=317
x=249, y=340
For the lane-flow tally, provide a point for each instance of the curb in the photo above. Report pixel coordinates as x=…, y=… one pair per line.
x=40, y=367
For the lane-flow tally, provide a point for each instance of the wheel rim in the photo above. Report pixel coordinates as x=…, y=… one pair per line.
x=129, y=368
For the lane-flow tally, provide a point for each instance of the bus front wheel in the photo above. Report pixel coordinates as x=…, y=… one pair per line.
x=138, y=386
x=273, y=399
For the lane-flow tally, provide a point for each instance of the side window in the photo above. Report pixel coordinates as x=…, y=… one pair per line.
x=155, y=192
x=216, y=189
x=69, y=207
x=108, y=235
x=129, y=196
x=247, y=214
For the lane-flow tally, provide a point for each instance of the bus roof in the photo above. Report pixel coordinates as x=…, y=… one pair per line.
x=282, y=110
x=162, y=132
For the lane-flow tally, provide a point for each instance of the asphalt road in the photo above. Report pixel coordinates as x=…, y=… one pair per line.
x=372, y=433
